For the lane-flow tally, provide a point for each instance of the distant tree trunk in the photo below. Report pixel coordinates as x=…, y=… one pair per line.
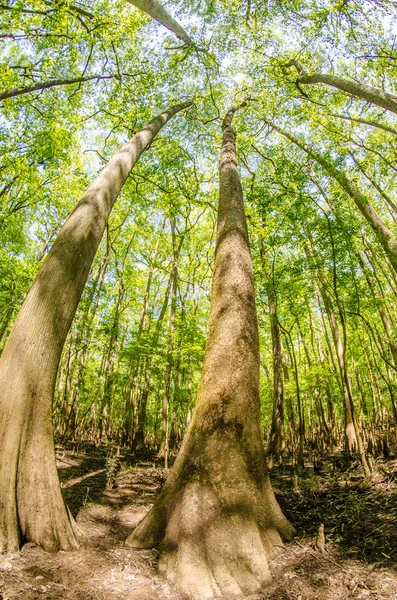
x=136, y=361
x=276, y=445
x=385, y=236
x=154, y=9
x=139, y=437
x=164, y=445
x=301, y=414
x=330, y=353
x=84, y=339
x=216, y=519
x=69, y=360
x=287, y=397
x=316, y=392
x=330, y=406
x=105, y=414
x=350, y=429
x=360, y=385
x=352, y=434
x=366, y=92
x=31, y=504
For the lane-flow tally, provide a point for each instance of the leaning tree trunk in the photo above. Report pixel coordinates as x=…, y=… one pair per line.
x=154, y=9
x=384, y=235
x=216, y=521
x=31, y=504
x=366, y=92
x=44, y=85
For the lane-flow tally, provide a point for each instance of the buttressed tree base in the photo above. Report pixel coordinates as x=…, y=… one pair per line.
x=31, y=503
x=217, y=521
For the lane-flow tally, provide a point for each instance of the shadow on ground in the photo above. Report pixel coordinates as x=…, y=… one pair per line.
x=360, y=526
x=360, y=517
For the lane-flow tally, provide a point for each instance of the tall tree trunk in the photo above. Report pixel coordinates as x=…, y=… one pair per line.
x=367, y=92
x=276, y=445
x=352, y=434
x=301, y=414
x=330, y=406
x=164, y=442
x=105, y=414
x=385, y=236
x=139, y=437
x=217, y=520
x=154, y=9
x=317, y=390
x=71, y=355
x=31, y=504
x=136, y=361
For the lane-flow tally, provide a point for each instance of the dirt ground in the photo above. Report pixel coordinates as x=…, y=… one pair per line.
x=108, y=497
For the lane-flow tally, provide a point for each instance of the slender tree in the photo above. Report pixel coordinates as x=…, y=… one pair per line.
x=384, y=234
x=366, y=92
x=276, y=445
x=154, y=9
x=44, y=85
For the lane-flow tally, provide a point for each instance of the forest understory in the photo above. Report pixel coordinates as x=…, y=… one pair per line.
x=198, y=252
x=109, y=494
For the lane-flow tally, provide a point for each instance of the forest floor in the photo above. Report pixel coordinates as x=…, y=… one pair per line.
x=109, y=496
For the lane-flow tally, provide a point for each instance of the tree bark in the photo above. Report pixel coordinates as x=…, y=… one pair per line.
x=154, y=9
x=216, y=520
x=366, y=92
x=44, y=85
x=31, y=504
x=382, y=232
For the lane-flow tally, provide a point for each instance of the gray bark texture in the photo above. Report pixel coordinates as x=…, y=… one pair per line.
x=155, y=10
x=366, y=92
